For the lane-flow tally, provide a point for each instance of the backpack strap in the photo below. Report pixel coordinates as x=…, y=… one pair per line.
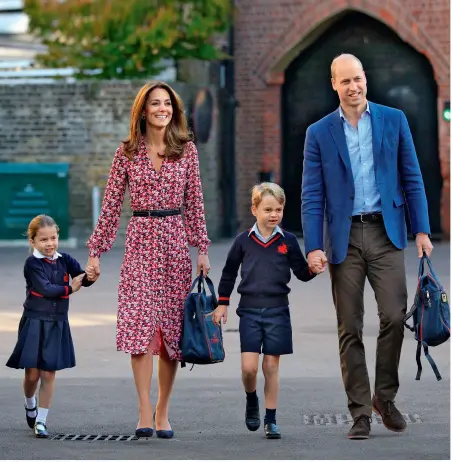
x=432, y=363
x=184, y=364
x=426, y=259
x=429, y=359
x=418, y=361
x=201, y=280
x=197, y=280
x=408, y=316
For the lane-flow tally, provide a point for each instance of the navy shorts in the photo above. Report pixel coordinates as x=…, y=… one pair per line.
x=265, y=330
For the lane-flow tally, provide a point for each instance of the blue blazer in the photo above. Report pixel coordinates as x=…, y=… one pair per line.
x=328, y=190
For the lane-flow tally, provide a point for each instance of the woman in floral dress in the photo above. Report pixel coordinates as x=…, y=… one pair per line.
x=159, y=164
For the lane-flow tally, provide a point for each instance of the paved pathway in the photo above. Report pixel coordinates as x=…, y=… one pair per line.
x=98, y=398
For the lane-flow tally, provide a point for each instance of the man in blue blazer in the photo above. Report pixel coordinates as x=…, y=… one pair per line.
x=360, y=171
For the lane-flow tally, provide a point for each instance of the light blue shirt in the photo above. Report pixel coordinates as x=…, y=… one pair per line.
x=256, y=231
x=359, y=144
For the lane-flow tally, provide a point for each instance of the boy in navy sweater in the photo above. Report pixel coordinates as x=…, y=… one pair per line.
x=266, y=254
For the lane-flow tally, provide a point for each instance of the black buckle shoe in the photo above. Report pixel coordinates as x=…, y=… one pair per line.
x=40, y=430
x=272, y=431
x=31, y=420
x=252, y=416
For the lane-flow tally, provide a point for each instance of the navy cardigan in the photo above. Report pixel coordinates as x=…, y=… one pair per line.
x=48, y=287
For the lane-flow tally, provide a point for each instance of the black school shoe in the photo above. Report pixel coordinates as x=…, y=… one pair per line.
x=31, y=420
x=252, y=416
x=272, y=431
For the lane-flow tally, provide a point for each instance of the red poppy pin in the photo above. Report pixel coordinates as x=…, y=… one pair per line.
x=282, y=248
x=66, y=277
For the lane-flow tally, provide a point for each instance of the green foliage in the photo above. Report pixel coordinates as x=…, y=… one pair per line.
x=126, y=38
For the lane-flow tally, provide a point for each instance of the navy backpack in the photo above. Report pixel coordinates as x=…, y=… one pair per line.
x=202, y=340
x=431, y=315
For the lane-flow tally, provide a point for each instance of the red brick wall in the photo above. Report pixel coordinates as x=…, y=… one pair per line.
x=266, y=36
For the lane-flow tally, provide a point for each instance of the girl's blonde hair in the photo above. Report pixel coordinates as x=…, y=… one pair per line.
x=260, y=190
x=41, y=221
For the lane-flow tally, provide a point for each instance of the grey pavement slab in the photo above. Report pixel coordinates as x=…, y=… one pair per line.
x=207, y=417
x=98, y=396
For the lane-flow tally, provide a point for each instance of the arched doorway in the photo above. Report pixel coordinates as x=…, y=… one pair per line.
x=397, y=76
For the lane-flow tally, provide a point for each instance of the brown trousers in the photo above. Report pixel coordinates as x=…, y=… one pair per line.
x=372, y=254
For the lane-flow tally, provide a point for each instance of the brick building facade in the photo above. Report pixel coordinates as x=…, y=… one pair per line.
x=82, y=124
x=270, y=35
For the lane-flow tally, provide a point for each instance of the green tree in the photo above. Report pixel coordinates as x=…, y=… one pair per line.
x=125, y=38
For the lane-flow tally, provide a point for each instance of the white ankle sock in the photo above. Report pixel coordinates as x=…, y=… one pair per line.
x=30, y=403
x=42, y=415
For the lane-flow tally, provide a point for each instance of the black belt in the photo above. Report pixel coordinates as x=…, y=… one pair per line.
x=156, y=213
x=367, y=218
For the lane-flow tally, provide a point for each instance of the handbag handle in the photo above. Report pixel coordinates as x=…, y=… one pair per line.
x=201, y=280
x=424, y=259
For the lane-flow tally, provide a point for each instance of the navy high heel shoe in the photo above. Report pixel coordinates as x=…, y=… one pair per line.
x=144, y=432
x=166, y=434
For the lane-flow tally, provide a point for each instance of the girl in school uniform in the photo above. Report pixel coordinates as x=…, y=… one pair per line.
x=44, y=343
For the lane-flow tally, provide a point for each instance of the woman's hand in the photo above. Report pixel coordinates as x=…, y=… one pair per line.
x=93, y=268
x=203, y=265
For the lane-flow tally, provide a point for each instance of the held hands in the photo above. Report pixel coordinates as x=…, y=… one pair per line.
x=77, y=282
x=317, y=261
x=203, y=265
x=423, y=244
x=93, y=268
x=317, y=266
x=220, y=313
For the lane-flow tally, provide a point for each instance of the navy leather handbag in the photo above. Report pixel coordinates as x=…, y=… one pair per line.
x=202, y=340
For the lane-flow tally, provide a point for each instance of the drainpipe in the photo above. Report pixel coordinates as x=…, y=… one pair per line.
x=228, y=171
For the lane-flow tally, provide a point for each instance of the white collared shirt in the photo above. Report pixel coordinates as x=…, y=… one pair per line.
x=38, y=254
x=256, y=231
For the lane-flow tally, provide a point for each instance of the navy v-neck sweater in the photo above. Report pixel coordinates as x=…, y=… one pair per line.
x=265, y=270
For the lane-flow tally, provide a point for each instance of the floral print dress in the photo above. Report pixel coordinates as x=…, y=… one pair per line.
x=157, y=269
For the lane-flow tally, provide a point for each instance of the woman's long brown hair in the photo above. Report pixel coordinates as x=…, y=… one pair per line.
x=176, y=133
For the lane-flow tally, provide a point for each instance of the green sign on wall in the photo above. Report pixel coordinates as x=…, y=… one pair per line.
x=27, y=190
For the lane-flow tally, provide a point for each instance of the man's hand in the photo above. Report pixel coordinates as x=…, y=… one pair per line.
x=423, y=244
x=313, y=261
x=317, y=265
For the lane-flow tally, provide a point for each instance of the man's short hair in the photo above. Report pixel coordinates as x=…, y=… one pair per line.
x=333, y=63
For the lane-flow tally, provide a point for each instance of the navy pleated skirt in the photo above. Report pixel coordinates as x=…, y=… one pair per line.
x=44, y=345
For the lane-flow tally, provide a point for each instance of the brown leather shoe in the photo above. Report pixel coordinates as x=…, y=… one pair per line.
x=361, y=428
x=392, y=418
